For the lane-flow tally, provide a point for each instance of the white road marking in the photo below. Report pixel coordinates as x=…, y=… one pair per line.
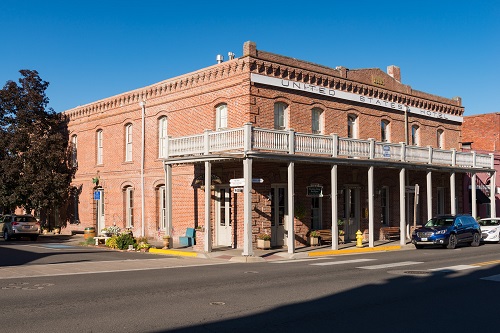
x=495, y=278
x=292, y=261
x=453, y=268
x=341, y=262
x=394, y=264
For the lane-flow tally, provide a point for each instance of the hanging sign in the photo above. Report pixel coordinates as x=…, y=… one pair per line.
x=315, y=191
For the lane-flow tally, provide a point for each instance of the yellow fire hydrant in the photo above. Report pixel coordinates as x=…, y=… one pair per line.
x=359, y=239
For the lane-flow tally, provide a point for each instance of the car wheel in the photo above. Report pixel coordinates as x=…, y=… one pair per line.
x=6, y=236
x=475, y=240
x=419, y=246
x=452, y=242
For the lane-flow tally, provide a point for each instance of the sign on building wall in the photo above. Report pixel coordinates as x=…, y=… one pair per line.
x=315, y=191
x=319, y=90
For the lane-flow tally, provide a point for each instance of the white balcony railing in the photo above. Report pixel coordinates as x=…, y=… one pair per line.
x=250, y=138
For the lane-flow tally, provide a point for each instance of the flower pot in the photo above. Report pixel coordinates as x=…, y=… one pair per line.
x=314, y=241
x=263, y=244
x=167, y=243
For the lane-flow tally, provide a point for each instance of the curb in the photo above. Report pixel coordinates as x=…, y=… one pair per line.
x=356, y=250
x=174, y=252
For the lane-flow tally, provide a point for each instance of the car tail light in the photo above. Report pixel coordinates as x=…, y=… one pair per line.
x=15, y=223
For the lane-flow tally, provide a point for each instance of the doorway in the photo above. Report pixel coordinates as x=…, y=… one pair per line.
x=278, y=214
x=223, y=216
x=99, y=196
x=352, y=210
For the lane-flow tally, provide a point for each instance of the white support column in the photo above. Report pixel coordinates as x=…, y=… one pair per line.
x=473, y=193
x=208, y=206
x=493, y=194
x=402, y=207
x=453, y=193
x=370, y=208
x=335, y=211
x=247, y=208
x=291, y=208
x=429, y=195
x=168, y=200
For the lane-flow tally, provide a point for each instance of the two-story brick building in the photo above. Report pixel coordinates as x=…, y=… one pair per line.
x=267, y=144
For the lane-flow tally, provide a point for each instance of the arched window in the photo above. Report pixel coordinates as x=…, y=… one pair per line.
x=221, y=116
x=280, y=116
x=162, y=137
x=100, y=147
x=74, y=151
x=384, y=131
x=317, y=121
x=440, y=139
x=162, y=209
x=415, y=135
x=352, y=126
x=128, y=142
x=128, y=193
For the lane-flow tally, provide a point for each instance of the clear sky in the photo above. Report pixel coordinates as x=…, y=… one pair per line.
x=90, y=50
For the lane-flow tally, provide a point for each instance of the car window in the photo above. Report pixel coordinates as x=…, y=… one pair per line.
x=489, y=222
x=440, y=222
x=24, y=219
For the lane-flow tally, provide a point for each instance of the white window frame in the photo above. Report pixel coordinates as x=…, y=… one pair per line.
x=162, y=213
x=317, y=121
x=385, y=133
x=129, y=207
x=74, y=151
x=415, y=135
x=221, y=116
x=352, y=126
x=128, y=142
x=100, y=147
x=162, y=137
x=280, y=116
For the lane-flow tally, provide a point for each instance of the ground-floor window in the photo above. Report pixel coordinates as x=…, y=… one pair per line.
x=129, y=206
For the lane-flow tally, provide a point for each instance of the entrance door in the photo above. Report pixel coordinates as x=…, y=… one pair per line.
x=352, y=209
x=223, y=216
x=316, y=216
x=278, y=214
x=100, y=210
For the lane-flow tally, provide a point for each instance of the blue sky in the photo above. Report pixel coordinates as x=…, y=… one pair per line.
x=89, y=50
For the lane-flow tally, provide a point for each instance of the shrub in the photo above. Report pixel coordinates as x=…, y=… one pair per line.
x=124, y=240
x=265, y=237
x=112, y=242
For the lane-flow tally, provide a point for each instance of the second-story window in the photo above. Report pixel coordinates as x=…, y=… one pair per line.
x=352, y=126
x=440, y=139
x=128, y=142
x=100, y=148
x=221, y=116
x=74, y=151
x=280, y=115
x=317, y=120
x=384, y=131
x=162, y=137
x=415, y=135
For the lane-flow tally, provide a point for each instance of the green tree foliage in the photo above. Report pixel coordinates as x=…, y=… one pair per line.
x=35, y=156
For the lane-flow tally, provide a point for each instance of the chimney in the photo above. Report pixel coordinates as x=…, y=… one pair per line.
x=219, y=58
x=395, y=72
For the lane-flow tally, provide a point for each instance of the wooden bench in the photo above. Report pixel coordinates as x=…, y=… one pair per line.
x=325, y=235
x=390, y=232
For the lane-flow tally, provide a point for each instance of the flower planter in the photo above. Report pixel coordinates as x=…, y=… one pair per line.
x=167, y=244
x=263, y=244
x=314, y=241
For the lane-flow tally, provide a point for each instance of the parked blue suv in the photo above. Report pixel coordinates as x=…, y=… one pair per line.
x=448, y=231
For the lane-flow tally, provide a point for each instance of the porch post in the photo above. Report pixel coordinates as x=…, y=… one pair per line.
x=370, y=207
x=452, y=193
x=429, y=195
x=208, y=206
x=291, y=208
x=335, y=212
x=247, y=208
x=473, y=195
x=493, y=188
x=402, y=207
x=168, y=200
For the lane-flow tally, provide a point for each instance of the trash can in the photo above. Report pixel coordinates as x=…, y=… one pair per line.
x=89, y=232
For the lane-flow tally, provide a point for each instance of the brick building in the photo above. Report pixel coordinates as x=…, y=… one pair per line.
x=302, y=144
x=481, y=133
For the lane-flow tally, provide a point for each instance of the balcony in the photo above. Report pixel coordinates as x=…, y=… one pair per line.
x=249, y=139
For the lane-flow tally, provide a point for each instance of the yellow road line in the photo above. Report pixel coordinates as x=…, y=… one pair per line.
x=486, y=263
x=174, y=252
x=355, y=250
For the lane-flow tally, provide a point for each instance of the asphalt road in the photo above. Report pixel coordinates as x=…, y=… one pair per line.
x=431, y=290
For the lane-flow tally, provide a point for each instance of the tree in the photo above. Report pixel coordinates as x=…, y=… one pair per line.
x=35, y=158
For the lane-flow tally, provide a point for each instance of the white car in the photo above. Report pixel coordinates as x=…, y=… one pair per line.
x=490, y=229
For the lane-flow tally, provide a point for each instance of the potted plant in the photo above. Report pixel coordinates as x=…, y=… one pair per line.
x=167, y=242
x=341, y=236
x=314, y=237
x=105, y=232
x=143, y=244
x=264, y=241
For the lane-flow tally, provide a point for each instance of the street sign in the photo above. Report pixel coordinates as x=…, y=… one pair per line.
x=238, y=182
x=238, y=190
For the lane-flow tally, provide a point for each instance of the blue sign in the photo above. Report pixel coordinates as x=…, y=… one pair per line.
x=97, y=195
x=386, y=151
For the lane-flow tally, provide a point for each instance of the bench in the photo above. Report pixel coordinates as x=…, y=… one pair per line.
x=390, y=232
x=100, y=238
x=189, y=238
x=325, y=235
